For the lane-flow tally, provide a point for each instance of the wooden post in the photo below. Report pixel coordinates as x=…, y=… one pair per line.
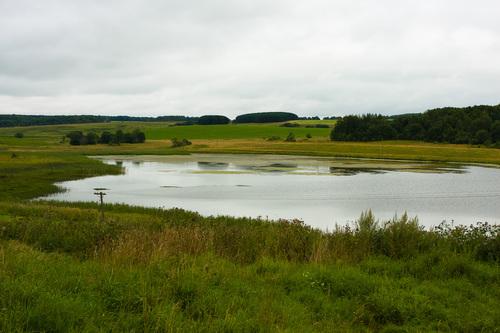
x=101, y=194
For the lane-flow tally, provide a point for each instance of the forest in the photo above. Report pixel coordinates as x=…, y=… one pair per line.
x=469, y=125
x=11, y=120
x=265, y=117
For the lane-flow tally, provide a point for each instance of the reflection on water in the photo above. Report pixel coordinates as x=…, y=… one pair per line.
x=300, y=187
x=352, y=171
x=212, y=165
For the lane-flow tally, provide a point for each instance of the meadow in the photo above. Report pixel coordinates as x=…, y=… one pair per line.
x=63, y=268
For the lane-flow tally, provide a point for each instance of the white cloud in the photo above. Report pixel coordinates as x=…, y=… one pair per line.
x=315, y=57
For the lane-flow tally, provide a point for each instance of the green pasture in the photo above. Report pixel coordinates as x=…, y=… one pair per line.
x=164, y=131
x=233, y=131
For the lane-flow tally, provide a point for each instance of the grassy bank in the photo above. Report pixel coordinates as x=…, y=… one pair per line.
x=28, y=175
x=150, y=270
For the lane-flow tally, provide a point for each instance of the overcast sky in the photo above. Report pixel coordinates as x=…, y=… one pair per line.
x=314, y=57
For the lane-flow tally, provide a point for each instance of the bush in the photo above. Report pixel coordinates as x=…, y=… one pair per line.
x=91, y=138
x=184, y=123
x=76, y=138
x=290, y=137
x=318, y=126
x=290, y=125
x=19, y=135
x=180, y=143
x=106, y=137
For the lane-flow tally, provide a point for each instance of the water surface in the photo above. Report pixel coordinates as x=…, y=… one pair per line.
x=320, y=191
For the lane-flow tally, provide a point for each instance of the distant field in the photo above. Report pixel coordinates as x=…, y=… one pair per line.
x=254, y=131
x=314, y=122
x=163, y=131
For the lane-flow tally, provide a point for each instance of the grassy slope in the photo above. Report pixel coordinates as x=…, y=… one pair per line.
x=61, y=269
x=31, y=175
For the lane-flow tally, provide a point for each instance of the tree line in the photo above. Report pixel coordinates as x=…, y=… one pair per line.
x=78, y=138
x=265, y=117
x=472, y=125
x=258, y=117
x=13, y=120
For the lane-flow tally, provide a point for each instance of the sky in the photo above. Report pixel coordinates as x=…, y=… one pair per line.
x=314, y=57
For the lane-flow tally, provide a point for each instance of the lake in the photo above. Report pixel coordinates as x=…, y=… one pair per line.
x=319, y=191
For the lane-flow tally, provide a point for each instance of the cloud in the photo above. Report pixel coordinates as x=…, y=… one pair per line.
x=317, y=57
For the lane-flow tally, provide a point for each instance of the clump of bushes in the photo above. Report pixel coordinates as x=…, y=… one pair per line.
x=318, y=126
x=180, y=143
x=183, y=123
x=290, y=125
x=19, y=135
x=273, y=138
x=78, y=138
x=290, y=137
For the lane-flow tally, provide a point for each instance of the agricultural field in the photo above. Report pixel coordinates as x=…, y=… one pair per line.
x=63, y=267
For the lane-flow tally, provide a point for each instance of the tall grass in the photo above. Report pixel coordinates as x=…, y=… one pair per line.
x=145, y=234
x=62, y=269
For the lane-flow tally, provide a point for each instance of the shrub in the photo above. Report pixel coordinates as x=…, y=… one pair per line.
x=290, y=137
x=318, y=126
x=19, y=135
x=290, y=125
x=91, y=138
x=76, y=138
x=180, y=143
x=106, y=137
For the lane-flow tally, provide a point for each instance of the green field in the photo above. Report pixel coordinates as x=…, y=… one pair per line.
x=164, y=130
x=64, y=269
